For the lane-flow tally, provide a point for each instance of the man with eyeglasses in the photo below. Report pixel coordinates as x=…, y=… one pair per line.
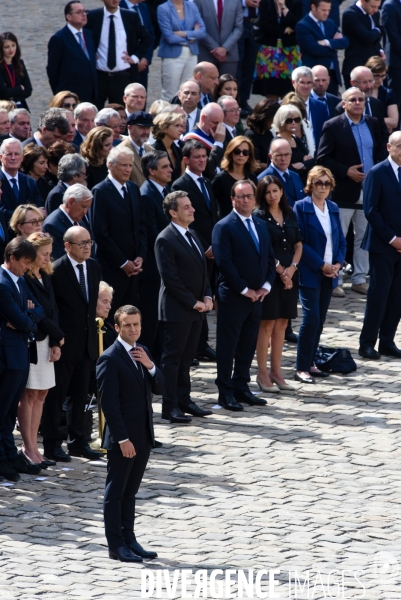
x=350, y=146
x=244, y=257
x=232, y=113
x=75, y=279
x=280, y=156
x=71, y=169
x=71, y=63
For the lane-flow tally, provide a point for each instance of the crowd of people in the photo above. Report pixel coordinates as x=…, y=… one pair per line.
x=148, y=217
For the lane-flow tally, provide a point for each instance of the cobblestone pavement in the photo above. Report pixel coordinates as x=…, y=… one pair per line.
x=307, y=485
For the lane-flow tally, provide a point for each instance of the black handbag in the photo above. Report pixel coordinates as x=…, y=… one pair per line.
x=336, y=360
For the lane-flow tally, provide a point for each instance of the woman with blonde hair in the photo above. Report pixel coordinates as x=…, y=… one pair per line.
x=67, y=100
x=26, y=219
x=95, y=149
x=167, y=129
x=49, y=339
x=304, y=131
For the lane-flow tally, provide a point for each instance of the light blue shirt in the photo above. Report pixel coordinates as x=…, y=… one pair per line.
x=364, y=141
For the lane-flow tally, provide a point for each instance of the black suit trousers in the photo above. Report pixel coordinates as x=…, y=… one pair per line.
x=151, y=327
x=124, y=476
x=236, y=337
x=180, y=343
x=394, y=82
x=383, y=305
x=111, y=87
x=12, y=386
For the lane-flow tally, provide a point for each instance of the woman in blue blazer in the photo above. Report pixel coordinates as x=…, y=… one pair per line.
x=181, y=26
x=323, y=254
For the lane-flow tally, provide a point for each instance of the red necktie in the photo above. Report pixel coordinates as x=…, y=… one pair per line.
x=219, y=12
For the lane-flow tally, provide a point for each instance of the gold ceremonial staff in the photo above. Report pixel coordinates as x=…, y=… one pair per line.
x=100, y=332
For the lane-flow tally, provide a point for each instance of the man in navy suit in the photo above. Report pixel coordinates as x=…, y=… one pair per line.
x=382, y=206
x=19, y=313
x=391, y=18
x=17, y=188
x=142, y=10
x=319, y=39
x=71, y=63
x=127, y=379
x=84, y=115
x=316, y=113
x=321, y=84
x=280, y=156
x=77, y=200
x=245, y=260
x=71, y=169
x=334, y=11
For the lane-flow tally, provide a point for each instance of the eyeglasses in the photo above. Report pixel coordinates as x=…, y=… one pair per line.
x=381, y=76
x=71, y=105
x=247, y=196
x=237, y=152
x=356, y=100
x=79, y=12
x=292, y=120
x=287, y=155
x=34, y=222
x=322, y=184
x=84, y=174
x=233, y=110
x=84, y=243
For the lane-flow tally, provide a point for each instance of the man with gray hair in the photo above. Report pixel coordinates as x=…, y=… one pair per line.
x=134, y=98
x=20, y=121
x=119, y=228
x=232, y=113
x=77, y=200
x=71, y=169
x=84, y=115
x=52, y=126
x=350, y=145
x=316, y=111
x=108, y=117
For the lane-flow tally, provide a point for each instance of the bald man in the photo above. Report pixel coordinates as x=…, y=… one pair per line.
x=212, y=133
x=321, y=82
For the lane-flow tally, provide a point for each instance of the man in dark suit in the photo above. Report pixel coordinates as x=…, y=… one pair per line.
x=280, y=157
x=350, y=145
x=121, y=44
x=119, y=228
x=4, y=231
x=361, y=25
x=382, y=206
x=231, y=112
x=207, y=75
x=321, y=82
x=71, y=169
x=17, y=188
x=84, y=115
x=75, y=279
x=52, y=126
x=334, y=11
x=127, y=379
x=316, y=113
x=143, y=12
x=185, y=297
x=202, y=198
x=19, y=313
x=245, y=261
x=157, y=170
x=189, y=97
x=320, y=39
x=139, y=127
x=20, y=121
x=71, y=62
x=391, y=18
x=77, y=200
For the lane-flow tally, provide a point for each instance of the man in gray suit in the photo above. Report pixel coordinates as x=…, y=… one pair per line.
x=224, y=26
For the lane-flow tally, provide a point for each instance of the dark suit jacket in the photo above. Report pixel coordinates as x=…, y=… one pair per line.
x=239, y=263
x=78, y=139
x=338, y=151
x=176, y=100
x=13, y=309
x=76, y=315
x=334, y=12
x=205, y=218
x=68, y=68
x=294, y=189
x=377, y=112
x=309, y=33
x=118, y=228
x=147, y=23
x=184, y=278
x=214, y=154
x=126, y=397
x=28, y=194
x=382, y=207
x=7, y=92
x=57, y=224
x=319, y=114
x=48, y=326
x=156, y=221
x=391, y=18
x=364, y=41
x=3, y=243
x=55, y=197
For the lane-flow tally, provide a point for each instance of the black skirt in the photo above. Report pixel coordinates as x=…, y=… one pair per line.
x=281, y=303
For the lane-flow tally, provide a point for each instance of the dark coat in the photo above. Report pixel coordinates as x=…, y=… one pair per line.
x=7, y=92
x=55, y=197
x=57, y=224
x=48, y=326
x=144, y=11
x=377, y=112
x=156, y=221
x=214, y=154
x=391, y=18
x=28, y=194
x=3, y=243
x=177, y=168
x=270, y=28
x=294, y=189
x=364, y=41
x=334, y=12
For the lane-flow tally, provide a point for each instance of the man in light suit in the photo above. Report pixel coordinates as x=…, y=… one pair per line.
x=224, y=27
x=139, y=125
x=382, y=207
x=71, y=63
x=143, y=12
x=316, y=112
x=321, y=84
x=391, y=18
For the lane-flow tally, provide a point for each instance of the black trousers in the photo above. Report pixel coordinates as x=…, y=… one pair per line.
x=151, y=334
x=212, y=275
x=124, y=476
x=383, y=305
x=180, y=342
x=12, y=386
x=72, y=382
x=333, y=85
x=248, y=50
x=111, y=87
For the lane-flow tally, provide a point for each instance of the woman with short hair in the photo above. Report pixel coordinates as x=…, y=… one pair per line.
x=167, y=129
x=26, y=219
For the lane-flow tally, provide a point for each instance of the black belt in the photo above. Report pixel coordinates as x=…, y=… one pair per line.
x=114, y=73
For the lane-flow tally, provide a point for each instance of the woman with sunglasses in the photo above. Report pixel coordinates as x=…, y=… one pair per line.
x=26, y=219
x=15, y=84
x=323, y=254
x=238, y=163
x=286, y=122
x=49, y=338
x=67, y=100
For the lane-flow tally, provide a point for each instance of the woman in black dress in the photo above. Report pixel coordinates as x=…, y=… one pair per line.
x=167, y=129
x=35, y=164
x=95, y=149
x=259, y=125
x=238, y=163
x=280, y=304
x=15, y=84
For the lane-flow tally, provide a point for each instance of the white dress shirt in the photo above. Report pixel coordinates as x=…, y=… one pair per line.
x=74, y=32
x=266, y=285
x=183, y=232
x=14, y=278
x=36, y=136
x=195, y=178
x=395, y=168
x=76, y=271
x=121, y=43
x=8, y=176
x=159, y=187
x=324, y=220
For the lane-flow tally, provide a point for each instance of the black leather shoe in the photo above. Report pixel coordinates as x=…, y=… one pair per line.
x=158, y=444
x=292, y=338
x=137, y=549
x=8, y=472
x=319, y=374
x=48, y=463
x=230, y=403
x=85, y=452
x=391, y=350
x=195, y=410
x=207, y=354
x=195, y=363
x=124, y=554
x=22, y=465
x=369, y=352
x=249, y=398
x=57, y=454
x=174, y=415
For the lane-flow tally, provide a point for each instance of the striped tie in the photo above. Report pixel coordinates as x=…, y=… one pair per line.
x=82, y=281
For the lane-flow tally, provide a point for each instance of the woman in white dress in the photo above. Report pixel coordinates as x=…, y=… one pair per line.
x=49, y=339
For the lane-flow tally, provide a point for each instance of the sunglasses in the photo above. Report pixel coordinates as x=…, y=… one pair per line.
x=322, y=184
x=293, y=120
x=71, y=105
x=237, y=152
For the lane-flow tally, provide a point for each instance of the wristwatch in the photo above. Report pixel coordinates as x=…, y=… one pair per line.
x=295, y=265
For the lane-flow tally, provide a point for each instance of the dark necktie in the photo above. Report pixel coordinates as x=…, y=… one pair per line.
x=367, y=108
x=76, y=223
x=205, y=100
x=187, y=125
x=82, y=281
x=399, y=175
x=253, y=236
x=125, y=192
x=82, y=43
x=141, y=152
x=111, y=55
x=15, y=188
x=137, y=364
x=191, y=241
x=252, y=13
x=219, y=12
x=204, y=191
x=164, y=192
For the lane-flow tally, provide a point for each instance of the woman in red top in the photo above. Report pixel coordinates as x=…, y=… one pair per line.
x=14, y=80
